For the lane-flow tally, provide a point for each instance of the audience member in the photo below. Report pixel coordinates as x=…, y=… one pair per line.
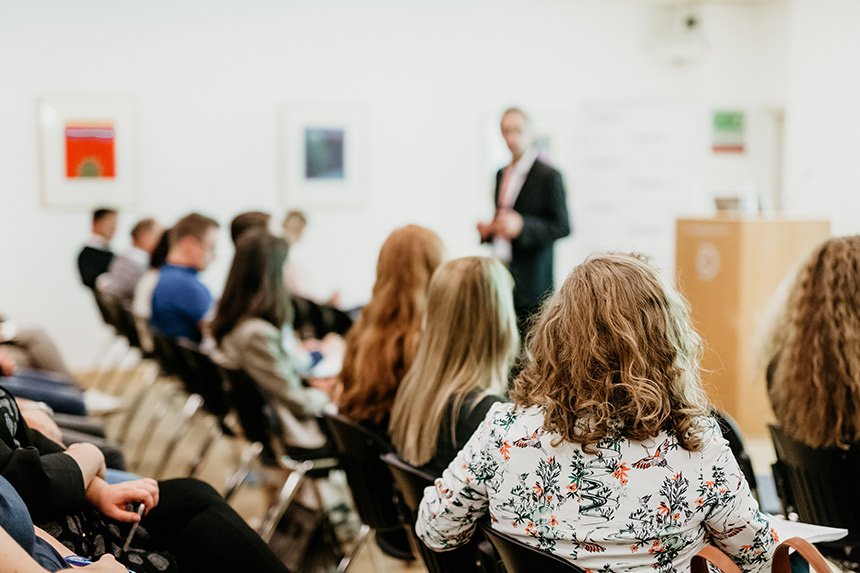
x=248, y=221
x=127, y=269
x=461, y=368
x=25, y=550
x=814, y=370
x=608, y=456
x=180, y=301
x=249, y=328
x=31, y=348
x=95, y=258
x=141, y=304
x=381, y=345
x=185, y=523
x=297, y=276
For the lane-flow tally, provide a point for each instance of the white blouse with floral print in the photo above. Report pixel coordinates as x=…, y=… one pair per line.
x=631, y=506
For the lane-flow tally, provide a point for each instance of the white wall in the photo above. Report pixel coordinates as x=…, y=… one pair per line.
x=209, y=78
x=823, y=112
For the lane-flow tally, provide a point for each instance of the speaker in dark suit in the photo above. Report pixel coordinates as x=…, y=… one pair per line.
x=531, y=214
x=543, y=207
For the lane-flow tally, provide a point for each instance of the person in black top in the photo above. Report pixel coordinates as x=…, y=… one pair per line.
x=187, y=526
x=96, y=256
x=461, y=368
x=531, y=214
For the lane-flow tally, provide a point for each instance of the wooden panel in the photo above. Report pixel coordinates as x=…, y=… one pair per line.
x=729, y=269
x=707, y=259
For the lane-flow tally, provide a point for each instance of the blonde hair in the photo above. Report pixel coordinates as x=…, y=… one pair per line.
x=613, y=353
x=381, y=344
x=815, y=390
x=468, y=344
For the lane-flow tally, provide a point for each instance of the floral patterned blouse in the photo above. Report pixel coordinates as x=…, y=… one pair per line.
x=631, y=506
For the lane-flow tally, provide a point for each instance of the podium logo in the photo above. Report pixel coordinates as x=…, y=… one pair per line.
x=707, y=262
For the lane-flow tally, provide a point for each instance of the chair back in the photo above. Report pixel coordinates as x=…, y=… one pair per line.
x=258, y=419
x=127, y=325
x=410, y=483
x=358, y=450
x=520, y=557
x=311, y=319
x=166, y=354
x=106, y=310
x=818, y=483
x=732, y=433
x=210, y=383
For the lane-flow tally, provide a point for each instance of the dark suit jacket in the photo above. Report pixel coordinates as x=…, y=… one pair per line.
x=91, y=263
x=543, y=206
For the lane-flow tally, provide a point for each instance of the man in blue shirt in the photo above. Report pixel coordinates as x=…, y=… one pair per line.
x=180, y=301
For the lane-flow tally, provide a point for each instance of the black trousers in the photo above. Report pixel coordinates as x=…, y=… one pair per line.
x=194, y=523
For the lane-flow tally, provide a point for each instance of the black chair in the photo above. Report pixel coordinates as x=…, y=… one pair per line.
x=261, y=425
x=117, y=348
x=166, y=350
x=819, y=484
x=314, y=320
x=520, y=557
x=132, y=329
x=732, y=433
x=371, y=484
x=477, y=556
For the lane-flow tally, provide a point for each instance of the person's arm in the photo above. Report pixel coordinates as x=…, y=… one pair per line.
x=51, y=484
x=451, y=507
x=544, y=229
x=264, y=359
x=90, y=460
x=733, y=521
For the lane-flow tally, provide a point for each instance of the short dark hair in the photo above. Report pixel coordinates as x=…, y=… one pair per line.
x=244, y=222
x=159, y=253
x=191, y=225
x=101, y=213
x=141, y=227
x=255, y=285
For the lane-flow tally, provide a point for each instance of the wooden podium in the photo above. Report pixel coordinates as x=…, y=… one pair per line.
x=728, y=269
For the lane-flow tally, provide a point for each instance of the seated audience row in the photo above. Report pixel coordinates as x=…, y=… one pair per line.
x=186, y=524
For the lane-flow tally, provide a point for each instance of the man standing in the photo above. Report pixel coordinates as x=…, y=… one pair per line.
x=531, y=213
x=95, y=258
x=180, y=302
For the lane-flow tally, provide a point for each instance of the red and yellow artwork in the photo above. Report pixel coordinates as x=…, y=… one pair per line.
x=90, y=150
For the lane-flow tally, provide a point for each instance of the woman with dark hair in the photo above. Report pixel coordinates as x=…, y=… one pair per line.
x=249, y=328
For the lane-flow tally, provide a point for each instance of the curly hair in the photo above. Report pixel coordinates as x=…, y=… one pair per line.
x=382, y=343
x=815, y=383
x=613, y=353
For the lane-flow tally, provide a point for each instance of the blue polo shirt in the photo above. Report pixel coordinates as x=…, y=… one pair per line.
x=179, y=302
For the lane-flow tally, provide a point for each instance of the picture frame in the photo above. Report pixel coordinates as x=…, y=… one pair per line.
x=86, y=152
x=323, y=155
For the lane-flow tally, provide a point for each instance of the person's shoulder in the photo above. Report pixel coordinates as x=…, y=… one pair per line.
x=256, y=326
x=541, y=167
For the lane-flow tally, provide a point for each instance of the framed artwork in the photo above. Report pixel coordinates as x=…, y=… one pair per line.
x=86, y=152
x=323, y=155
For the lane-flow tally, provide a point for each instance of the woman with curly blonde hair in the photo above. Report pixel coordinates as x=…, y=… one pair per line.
x=381, y=346
x=607, y=456
x=814, y=370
